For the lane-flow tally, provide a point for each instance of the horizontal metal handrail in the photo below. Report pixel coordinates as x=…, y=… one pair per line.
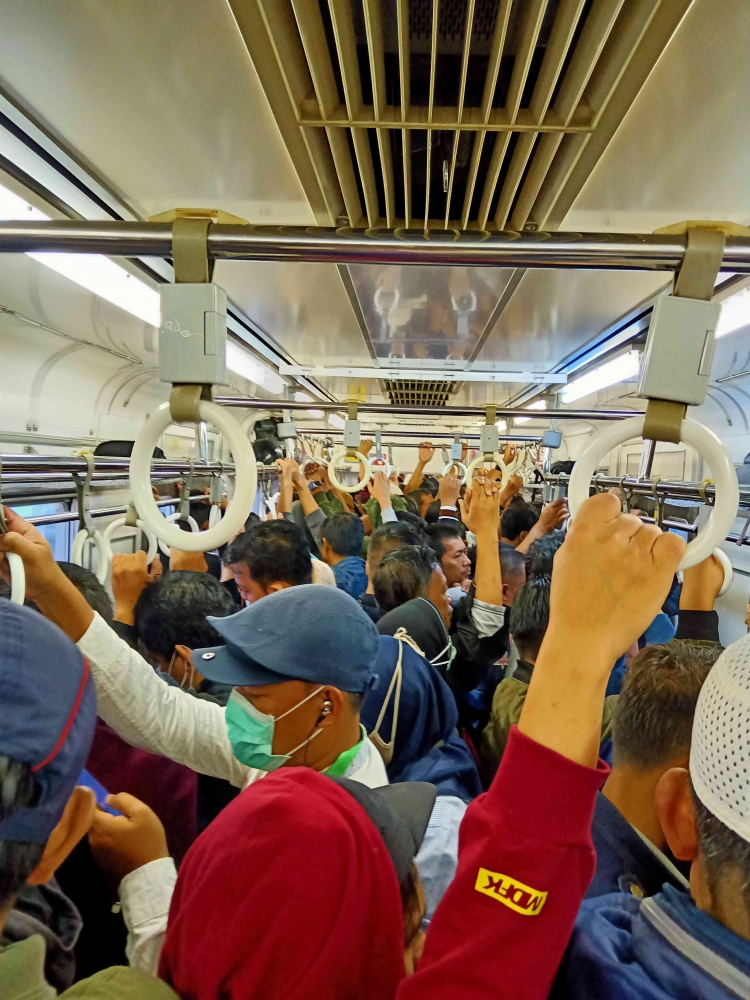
x=610, y=251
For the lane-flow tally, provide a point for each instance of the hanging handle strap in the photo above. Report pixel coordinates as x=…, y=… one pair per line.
x=83, y=487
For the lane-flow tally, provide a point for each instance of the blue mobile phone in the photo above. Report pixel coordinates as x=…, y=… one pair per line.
x=101, y=793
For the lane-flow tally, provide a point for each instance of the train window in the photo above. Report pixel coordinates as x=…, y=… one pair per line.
x=60, y=536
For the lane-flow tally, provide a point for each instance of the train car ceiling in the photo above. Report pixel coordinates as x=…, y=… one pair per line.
x=577, y=115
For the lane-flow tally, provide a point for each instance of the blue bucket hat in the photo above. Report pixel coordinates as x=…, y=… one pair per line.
x=307, y=633
x=47, y=716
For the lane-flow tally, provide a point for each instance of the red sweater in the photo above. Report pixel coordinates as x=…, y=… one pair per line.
x=525, y=861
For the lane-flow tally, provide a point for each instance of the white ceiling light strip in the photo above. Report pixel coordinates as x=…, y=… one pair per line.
x=619, y=370
x=423, y=374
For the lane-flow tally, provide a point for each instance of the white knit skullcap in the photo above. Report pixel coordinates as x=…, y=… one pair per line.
x=720, y=750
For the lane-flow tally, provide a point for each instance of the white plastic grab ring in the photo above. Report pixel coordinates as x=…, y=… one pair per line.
x=245, y=483
x=102, y=552
x=171, y=518
x=214, y=515
x=120, y=523
x=455, y=465
x=381, y=465
x=480, y=460
x=708, y=446
x=728, y=571
x=340, y=454
x=17, y=578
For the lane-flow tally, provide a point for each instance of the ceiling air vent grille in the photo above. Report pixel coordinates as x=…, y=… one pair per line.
x=455, y=114
x=405, y=392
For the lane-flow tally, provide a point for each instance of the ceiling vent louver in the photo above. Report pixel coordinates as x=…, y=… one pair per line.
x=451, y=114
x=404, y=392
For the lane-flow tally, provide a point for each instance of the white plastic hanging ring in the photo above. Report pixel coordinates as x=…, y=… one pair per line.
x=455, y=465
x=245, y=484
x=728, y=571
x=214, y=515
x=102, y=552
x=480, y=460
x=193, y=527
x=708, y=446
x=17, y=578
x=119, y=522
x=337, y=456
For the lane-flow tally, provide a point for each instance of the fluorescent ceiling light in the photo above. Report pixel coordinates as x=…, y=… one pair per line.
x=336, y=421
x=540, y=404
x=619, y=370
x=316, y=414
x=423, y=375
x=93, y=272
x=248, y=366
x=735, y=313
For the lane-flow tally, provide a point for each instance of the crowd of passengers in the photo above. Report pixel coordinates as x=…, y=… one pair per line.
x=429, y=741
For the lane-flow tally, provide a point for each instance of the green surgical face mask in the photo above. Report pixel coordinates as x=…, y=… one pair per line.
x=251, y=732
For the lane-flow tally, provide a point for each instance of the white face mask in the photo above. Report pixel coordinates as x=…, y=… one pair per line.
x=445, y=657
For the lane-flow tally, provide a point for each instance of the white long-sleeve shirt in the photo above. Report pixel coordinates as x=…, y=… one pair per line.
x=163, y=719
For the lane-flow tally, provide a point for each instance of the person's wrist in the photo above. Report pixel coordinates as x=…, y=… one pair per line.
x=124, y=612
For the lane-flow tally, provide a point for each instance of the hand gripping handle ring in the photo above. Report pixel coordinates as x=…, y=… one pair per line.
x=707, y=444
x=381, y=465
x=120, y=522
x=337, y=456
x=480, y=460
x=456, y=465
x=246, y=480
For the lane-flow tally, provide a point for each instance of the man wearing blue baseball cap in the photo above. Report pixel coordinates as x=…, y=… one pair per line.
x=45, y=735
x=300, y=661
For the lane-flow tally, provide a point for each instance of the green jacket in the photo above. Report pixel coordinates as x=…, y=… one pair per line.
x=510, y=694
x=22, y=978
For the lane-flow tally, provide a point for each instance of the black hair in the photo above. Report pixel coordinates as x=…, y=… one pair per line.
x=417, y=495
x=345, y=534
x=431, y=484
x=84, y=580
x=529, y=617
x=725, y=853
x=18, y=859
x=403, y=575
x=411, y=506
x=517, y=517
x=512, y=562
x=406, y=517
x=438, y=533
x=432, y=514
x=273, y=551
x=200, y=510
x=390, y=536
x=653, y=720
x=541, y=554
x=172, y=610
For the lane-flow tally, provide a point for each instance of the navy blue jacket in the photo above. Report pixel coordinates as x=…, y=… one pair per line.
x=351, y=576
x=624, y=863
x=658, y=948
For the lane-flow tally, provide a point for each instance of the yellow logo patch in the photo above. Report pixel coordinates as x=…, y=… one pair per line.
x=510, y=892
